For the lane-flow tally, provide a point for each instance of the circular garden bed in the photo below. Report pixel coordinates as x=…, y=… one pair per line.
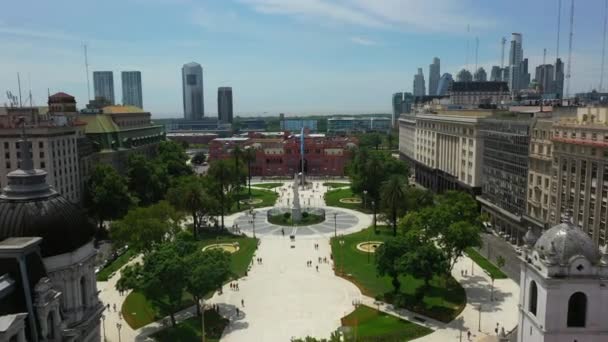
x=351, y=200
x=284, y=219
x=369, y=246
x=226, y=247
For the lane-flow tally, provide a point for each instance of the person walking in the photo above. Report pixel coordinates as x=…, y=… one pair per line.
x=242, y=302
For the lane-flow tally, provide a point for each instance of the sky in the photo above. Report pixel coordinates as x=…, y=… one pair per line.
x=281, y=56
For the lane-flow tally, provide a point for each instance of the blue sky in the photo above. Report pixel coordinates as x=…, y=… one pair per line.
x=292, y=56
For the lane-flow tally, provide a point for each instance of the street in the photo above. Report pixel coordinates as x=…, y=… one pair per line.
x=494, y=246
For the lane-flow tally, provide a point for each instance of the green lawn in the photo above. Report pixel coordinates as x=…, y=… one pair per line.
x=306, y=220
x=369, y=324
x=443, y=301
x=332, y=198
x=484, y=263
x=267, y=185
x=333, y=185
x=138, y=311
x=107, y=271
x=268, y=198
x=190, y=329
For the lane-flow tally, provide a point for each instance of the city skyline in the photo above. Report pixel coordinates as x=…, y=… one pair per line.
x=347, y=64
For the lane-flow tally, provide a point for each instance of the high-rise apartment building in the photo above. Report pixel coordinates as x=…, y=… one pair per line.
x=445, y=82
x=419, y=86
x=192, y=85
x=131, y=89
x=103, y=85
x=480, y=75
x=224, y=104
x=434, y=75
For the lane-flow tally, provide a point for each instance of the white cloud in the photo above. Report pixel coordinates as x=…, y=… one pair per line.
x=403, y=15
x=363, y=41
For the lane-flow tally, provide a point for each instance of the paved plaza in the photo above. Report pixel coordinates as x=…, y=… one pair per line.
x=285, y=298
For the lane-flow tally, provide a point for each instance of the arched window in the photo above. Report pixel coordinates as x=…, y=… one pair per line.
x=577, y=310
x=83, y=291
x=533, y=301
x=50, y=326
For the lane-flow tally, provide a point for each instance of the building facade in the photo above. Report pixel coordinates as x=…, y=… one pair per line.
x=419, y=86
x=478, y=93
x=407, y=139
x=580, y=171
x=103, y=85
x=131, y=89
x=504, y=173
x=448, y=151
x=539, y=173
x=224, y=104
x=192, y=91
x=296, y=125
x=348, y=125
x=434, y=75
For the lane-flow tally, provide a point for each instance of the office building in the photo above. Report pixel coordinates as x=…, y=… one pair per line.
x=580, y=171
x=192, y=86
x=544, y=76
x=539, y=173
x=480, y=75
x=519, y=77
x=402, y=103
x=131, y=89
x=464, y=75
x=558, y=86
x=496, y=74
x=448, y=150
x=419, y=86
x=349, y=125
x=505, y=173
x=445, y=82
x=434, y=75
x=224, y=104
x=103, y=85
x=474, y=94
x=407, y=139
x=295, y=125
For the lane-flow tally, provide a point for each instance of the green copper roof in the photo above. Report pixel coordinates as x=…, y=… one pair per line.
x=99, y=124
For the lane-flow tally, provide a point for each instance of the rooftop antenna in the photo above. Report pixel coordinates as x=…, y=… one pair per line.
x=568, y=73
x=603, y=46
x=86, y=67
x=19, y=85
x=476, y=51
x=503, y=41
x=544, y=56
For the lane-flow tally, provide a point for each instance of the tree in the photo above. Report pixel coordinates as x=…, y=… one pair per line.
x=220, y=178
x=500, y=262
x=144, y=228
x=237, y=154
x=422, y=260
x=199, y=158
x=393, y=195
x=457, y=237
x=190, y=195
x=173, y=156
x=370, y=140
x=147, y=180
x=249, y=157
x=207, y=272
x=107, y=194
x=387, y=259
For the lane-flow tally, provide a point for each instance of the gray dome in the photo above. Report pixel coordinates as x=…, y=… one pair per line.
x=566, y=241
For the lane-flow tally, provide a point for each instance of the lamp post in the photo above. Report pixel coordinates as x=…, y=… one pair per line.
x=335, y=224
x=103, y=324
x=342, y=252
x=252, y=213
x=364, y=199
x=202, y=305
x=118, y=326
x=479, y=320
x=374, y=206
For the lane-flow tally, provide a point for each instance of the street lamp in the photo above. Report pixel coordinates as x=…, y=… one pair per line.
x=342, y=252
x=252, y=213
x=202, y=305
x=479, y=323
x=335, y=224
x=103, y=324
x=364, y=198
x=374, y=206
x=118, y=326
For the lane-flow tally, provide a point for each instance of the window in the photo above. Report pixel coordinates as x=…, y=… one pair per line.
x=533, y=301
x=83, y=291
x=577, y=310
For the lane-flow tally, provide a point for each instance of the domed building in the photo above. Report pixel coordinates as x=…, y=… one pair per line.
x=564, y=287
x=48, y=290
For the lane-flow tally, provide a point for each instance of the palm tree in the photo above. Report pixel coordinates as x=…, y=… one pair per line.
x=237, y=153
x=249, y=157
x=392, y=194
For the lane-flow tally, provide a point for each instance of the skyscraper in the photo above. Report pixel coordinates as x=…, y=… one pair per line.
x=131, y=89
x=192, y=84
x=434, y=75
x=544, y=76
x=397, y=106
x=464, y=75
x=103, y=85
x=558, y=87
x=419, y=87
x=224, y=104
x=480, y=75
x=496, y=74
x=519, y=78
x=444, y=84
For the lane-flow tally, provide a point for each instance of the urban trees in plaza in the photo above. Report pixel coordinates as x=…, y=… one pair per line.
x=222, y=178
x=249, y=157
x=173, y=156
x=144, y=228
x=107, y=195
x=207, y=272
x=393, y=195
x=388, y=257
x=190, y=195
x=199, y=158
x=148, y=180
x=422, y=260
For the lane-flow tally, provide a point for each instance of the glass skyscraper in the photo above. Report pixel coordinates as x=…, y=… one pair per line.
x=131, y=89
x=103, y=85
x=192, y=85
x=224, y=104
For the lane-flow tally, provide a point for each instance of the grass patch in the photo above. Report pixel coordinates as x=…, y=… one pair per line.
x=372, y=325
x=138, y=311
x=286, y=220
x=486, y=264
x=268, y=198
x=115, y=265
x=190, y=329
x=443, y=301
x=333, y=197
x=267, y=185
x=333, y=185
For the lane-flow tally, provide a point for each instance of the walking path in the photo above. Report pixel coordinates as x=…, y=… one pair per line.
x=284, y=298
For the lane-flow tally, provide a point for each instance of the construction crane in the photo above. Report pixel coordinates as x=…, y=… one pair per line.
x=476, y=52
x=86, y=66
x=503, y=41
x=559, y=23
x=569, y=67
x=603, y=46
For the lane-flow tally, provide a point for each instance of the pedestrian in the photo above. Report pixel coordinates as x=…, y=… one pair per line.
x=317, y=268
x=231, y=286
x=114, y=307
x=108, y=306
x=237, y=312
x=468, y=334
x=242, y=302
x=466, y=273
x=461, y=273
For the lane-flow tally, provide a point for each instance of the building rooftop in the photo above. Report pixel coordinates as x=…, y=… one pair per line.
x=480, y=86
x=119, y=109
x=98, y=123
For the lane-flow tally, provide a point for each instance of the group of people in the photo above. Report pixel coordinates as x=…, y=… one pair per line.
x=259, y=260
x=234, y=286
